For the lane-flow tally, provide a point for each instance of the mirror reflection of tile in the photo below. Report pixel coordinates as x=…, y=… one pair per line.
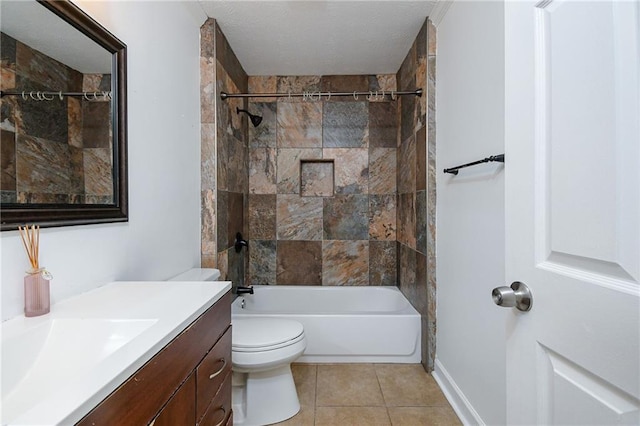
x=55, y=151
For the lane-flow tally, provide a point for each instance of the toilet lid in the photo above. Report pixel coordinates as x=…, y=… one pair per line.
x=263, y=332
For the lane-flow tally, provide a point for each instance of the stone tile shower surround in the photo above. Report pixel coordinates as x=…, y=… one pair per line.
x=224, y=156
x=322, y=192
x=417, y=186
x=56, y=151
x=330, y=192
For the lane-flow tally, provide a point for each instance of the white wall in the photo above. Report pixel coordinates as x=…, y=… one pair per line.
x=470, y=210
x=162, y=236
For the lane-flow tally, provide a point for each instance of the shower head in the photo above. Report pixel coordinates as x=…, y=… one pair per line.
x=255, y=119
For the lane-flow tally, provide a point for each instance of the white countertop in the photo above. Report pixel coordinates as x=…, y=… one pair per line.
x=57, y=367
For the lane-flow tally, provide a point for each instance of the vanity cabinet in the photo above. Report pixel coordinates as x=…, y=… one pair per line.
x=187, y=382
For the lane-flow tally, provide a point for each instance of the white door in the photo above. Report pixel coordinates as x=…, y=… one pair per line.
x=573, y=210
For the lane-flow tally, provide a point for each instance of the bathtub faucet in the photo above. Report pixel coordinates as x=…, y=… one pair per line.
x=244, y=290
x=240, y=242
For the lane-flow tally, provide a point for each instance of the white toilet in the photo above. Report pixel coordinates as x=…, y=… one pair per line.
x=262, y=352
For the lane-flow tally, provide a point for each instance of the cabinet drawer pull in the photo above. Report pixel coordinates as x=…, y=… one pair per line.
x=224, y=364
x=224, y=416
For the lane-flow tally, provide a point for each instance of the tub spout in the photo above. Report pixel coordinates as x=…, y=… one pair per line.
x=244, y=290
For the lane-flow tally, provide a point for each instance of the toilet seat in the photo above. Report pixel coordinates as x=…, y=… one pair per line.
x=264, y=334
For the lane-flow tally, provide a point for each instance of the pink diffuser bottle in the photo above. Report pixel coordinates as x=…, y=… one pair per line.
x=36, y=284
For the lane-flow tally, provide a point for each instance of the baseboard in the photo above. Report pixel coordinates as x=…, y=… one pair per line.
x=461, y=405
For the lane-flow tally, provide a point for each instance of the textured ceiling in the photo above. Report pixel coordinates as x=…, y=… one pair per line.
x=319, y=37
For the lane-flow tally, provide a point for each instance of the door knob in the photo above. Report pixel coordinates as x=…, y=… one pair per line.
x=517, y=295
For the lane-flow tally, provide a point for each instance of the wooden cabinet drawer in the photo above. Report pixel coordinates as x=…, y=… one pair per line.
x=181, y=408
x=220, y=408
x=212, y=371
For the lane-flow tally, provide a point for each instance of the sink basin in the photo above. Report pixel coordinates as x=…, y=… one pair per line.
x=37, y=360
x=57, y=367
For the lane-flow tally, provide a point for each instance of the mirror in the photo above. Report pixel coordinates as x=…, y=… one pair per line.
x=63, y=117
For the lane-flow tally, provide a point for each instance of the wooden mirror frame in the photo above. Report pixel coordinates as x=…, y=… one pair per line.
x=52, y=215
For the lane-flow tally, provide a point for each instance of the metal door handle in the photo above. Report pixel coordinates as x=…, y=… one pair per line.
x=517, y=295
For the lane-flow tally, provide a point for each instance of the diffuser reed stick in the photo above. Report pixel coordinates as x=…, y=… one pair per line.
x=31, y=242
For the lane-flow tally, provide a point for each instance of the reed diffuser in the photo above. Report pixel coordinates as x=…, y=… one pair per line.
x=36, y=283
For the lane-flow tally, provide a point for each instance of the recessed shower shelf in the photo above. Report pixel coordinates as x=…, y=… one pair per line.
x=317, y=178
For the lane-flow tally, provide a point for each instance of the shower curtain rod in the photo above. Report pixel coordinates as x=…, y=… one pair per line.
x=40, y=95
x=316, y=96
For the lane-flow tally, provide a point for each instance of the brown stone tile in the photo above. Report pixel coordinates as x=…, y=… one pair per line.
x=345, y=263
x=288, y=164
x=299, y=125
x=208, y=165
x=421, y=222
x=237, y=166
x=382, y=217
x=8, y=161
x=421, y=102
x=222, y=220
x=386, y=82
x=223, y=264
x=346, y=217
x=407, y=274
x=297, y=84
x=262, y=262
x=408, y=385
x=407, y=117
x=209, y=261
x=351, y=169
x=382, y=263
x=382, y=170
x=348, y=385
x=207, y=31
x=236, y=217
x=421, y=159
x=383, y=125
x=345, y=125
x=299, y=218
x=222, y=159
x=265, y=134
x=264, y=84
x=43, y=166
x=317, y=178
x=407, y=166
x=208, y=221
x=352, y=416
x=299, y=263
x=344, y=83
x=98, y=173
x=74, y=117
x=424, y=416
x=262, y=170
x=228, y=59
x=262, y=216
x=407, y=219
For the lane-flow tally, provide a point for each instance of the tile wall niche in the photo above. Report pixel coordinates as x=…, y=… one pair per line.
x=417, y=186
x=56, y=151
x=224, y=156
x=322, y=183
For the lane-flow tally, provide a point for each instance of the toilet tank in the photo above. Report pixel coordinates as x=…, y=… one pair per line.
x=198, y=274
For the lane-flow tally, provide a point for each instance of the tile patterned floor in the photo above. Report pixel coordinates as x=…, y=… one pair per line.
x=368, y=395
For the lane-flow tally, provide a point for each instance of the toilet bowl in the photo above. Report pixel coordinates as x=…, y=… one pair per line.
x=262, y=352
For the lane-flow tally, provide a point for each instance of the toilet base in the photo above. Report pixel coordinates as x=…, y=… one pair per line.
x=264, y=397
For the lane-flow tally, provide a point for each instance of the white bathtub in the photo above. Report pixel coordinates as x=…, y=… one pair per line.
x=342, y=324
